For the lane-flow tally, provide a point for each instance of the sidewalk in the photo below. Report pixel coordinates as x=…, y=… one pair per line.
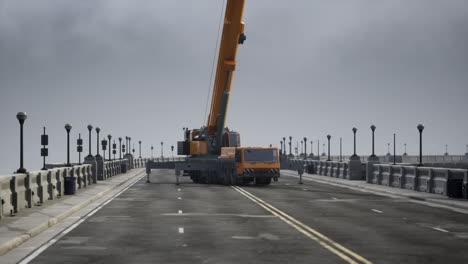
x=30, y=222
x=429, y=198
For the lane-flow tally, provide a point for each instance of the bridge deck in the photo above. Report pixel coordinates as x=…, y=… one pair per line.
x=281, y=223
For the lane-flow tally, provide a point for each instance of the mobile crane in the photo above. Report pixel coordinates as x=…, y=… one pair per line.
x=214, y=153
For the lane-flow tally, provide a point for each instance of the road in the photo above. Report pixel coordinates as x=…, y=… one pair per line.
x=281, y=223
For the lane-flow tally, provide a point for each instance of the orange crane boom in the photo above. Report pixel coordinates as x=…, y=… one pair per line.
x=232, y=36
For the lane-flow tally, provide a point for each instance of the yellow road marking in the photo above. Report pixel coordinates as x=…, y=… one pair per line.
x=323, y=240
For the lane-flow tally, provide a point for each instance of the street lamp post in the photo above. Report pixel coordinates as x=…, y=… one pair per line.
x=284, y=143
x=97, y=132
x=139, y=142
x=312, y=148
x=394, y=148
x=162, y=152
x=318, y=149
x=373, y=140
x=341, y=150
x=305, y=148
x=328, y=137
x=152, y=151
x=354, y=132
x=109, y=137
x=172, y=150
x=68, y=128
x=21, y=116
x=281, y=149
x=120, y=148
x=420, y=129
x=130, y=145
x=90, y=128
x=127, y=146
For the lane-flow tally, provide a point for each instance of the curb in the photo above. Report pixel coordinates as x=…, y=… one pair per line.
x=17, y=241
x=387, y=193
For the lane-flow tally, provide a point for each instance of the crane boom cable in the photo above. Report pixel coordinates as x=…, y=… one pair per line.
x=214, y=60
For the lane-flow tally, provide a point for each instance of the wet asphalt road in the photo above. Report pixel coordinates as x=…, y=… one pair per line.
x=280, y=223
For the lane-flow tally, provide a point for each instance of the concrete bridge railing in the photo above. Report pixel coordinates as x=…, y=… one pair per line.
x=21, y=191
x=351, y=170
x=452, y=182
x=444, y=181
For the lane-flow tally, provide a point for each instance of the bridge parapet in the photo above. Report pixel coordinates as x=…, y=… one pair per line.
x=444, y=181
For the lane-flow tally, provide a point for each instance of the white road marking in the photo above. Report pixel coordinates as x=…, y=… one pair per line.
x=180, y=198
x=377, y=211
x=243, y=237
x=180, y=211
x=181, y=230
x=334, y=198
x=304, y=189
x=178, y=190
x=230, y=215
x=440, y=229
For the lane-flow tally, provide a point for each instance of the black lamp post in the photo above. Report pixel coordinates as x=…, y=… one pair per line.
x=284, y=143
x=341, y=150
x=44, y=150
x=311, y=148
x=318, y=149
x=162, y=153
x=420, y=129
x=109, y=137
x=21, y=116
x=328, y=137
x=373, y=142
x=405, y=154
x=79, y=148
x=302, y=147
x=68, y=128
x=97, y=132
x=90, y=128
x=120, y=148
x=305, y=147
x=354, y=132
x=394, y=148
x=290, y=146
x=130, y=145
x=172, y=150
x=152, y=151
x=127, y=147
x=281, y=150
x=139, y=142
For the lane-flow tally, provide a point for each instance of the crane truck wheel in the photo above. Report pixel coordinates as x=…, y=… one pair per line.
x=227, y=177
x=263, y=180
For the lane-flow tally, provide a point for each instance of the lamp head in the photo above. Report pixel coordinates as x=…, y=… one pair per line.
x=21, y=116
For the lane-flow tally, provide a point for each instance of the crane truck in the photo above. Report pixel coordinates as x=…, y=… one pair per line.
x=213, y=153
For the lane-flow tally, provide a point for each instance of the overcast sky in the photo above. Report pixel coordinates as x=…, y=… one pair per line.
x=308, y=68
